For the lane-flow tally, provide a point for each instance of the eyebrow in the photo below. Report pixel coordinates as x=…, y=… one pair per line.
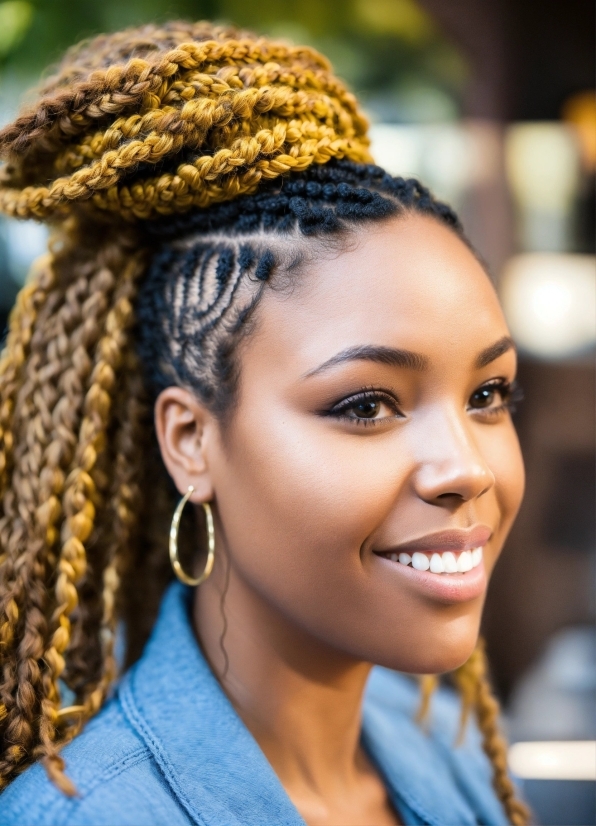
x=407, y=359
x=494, y=351
x=380, y=355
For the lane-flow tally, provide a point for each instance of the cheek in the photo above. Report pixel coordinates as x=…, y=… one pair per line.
x=299, y=499
x=510, y=477
x=504, y=458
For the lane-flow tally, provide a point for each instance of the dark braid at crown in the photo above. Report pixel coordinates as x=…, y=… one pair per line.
x=212, y=265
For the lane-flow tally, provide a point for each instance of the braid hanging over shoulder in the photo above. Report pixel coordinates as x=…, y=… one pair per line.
x=182, y=169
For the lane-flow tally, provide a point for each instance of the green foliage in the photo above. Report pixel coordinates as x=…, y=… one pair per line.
x=15, y=18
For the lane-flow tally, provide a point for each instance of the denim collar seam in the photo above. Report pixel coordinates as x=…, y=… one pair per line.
x=62, y=807
x=139, y=755
x=139, y=724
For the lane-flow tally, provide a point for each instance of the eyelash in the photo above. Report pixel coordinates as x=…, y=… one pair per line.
x=367, y=394
x=510, y=392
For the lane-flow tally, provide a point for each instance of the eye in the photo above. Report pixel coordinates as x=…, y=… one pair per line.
x=367, y=407
x=494, y=397
x=484, y=397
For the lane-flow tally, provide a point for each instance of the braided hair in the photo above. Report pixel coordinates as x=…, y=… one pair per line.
x=212, y=266
x=183, y=170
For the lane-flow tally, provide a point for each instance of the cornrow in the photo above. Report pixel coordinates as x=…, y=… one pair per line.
x=185, y=170
x=211, y=265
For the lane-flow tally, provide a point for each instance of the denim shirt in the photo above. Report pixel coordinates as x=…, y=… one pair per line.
x=169, y=750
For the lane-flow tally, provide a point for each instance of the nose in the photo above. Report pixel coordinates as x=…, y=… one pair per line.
x=451, y=468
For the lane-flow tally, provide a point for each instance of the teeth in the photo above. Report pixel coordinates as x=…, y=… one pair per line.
x=420, y=562
x=476, y=557
x=446, y=563
x=436, y=564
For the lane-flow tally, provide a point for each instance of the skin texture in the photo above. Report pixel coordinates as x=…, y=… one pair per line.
x=303, y=499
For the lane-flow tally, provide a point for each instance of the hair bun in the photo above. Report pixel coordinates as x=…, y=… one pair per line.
x=157, y=121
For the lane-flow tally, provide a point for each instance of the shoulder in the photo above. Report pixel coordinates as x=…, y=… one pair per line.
x=434, y=749
x=114, y=773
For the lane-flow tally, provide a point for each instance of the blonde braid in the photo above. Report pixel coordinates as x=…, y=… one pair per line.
x=473, y=683
x=126, y=496
x=140, y=82
x=25, y=531
x=21, y=324
x=99, y=595
x=428, y=685
x=53, y=396
x=81, y=497
x=134, y=412
x=250, y=109
x=476, y=695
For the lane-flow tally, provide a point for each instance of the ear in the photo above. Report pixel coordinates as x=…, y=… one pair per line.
x=184, y=430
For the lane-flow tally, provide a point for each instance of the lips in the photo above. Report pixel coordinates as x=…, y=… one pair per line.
x=456, y=581
x=455, y=540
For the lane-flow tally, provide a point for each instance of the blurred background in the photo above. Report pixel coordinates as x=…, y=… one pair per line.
x=491, y=104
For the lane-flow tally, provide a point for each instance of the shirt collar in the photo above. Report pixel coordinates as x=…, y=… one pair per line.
x=420, y=766
x=209, y=758
x=215, y=767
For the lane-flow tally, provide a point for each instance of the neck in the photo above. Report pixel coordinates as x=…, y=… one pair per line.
x=300, y=698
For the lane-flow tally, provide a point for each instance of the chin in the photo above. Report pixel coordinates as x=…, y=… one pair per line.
x=437, y=655
x=448, y=660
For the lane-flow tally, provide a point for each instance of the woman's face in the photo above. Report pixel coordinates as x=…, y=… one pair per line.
x=372, y=422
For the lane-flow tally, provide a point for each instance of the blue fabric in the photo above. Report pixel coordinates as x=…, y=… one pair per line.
x=169, y=750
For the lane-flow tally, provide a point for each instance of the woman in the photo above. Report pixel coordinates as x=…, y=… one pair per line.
x=239, y=310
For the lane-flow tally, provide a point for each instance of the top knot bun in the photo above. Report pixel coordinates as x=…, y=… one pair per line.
x=154, y=121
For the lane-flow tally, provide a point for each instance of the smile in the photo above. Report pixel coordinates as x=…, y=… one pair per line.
x=459, y=586
x=447, y=562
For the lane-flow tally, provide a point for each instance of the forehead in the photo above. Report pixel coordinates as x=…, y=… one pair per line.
x=407, y=282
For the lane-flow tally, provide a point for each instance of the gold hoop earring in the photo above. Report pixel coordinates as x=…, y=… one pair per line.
x=175, y=527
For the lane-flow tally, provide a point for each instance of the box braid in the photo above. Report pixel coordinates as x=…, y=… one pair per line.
x=185, y=170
